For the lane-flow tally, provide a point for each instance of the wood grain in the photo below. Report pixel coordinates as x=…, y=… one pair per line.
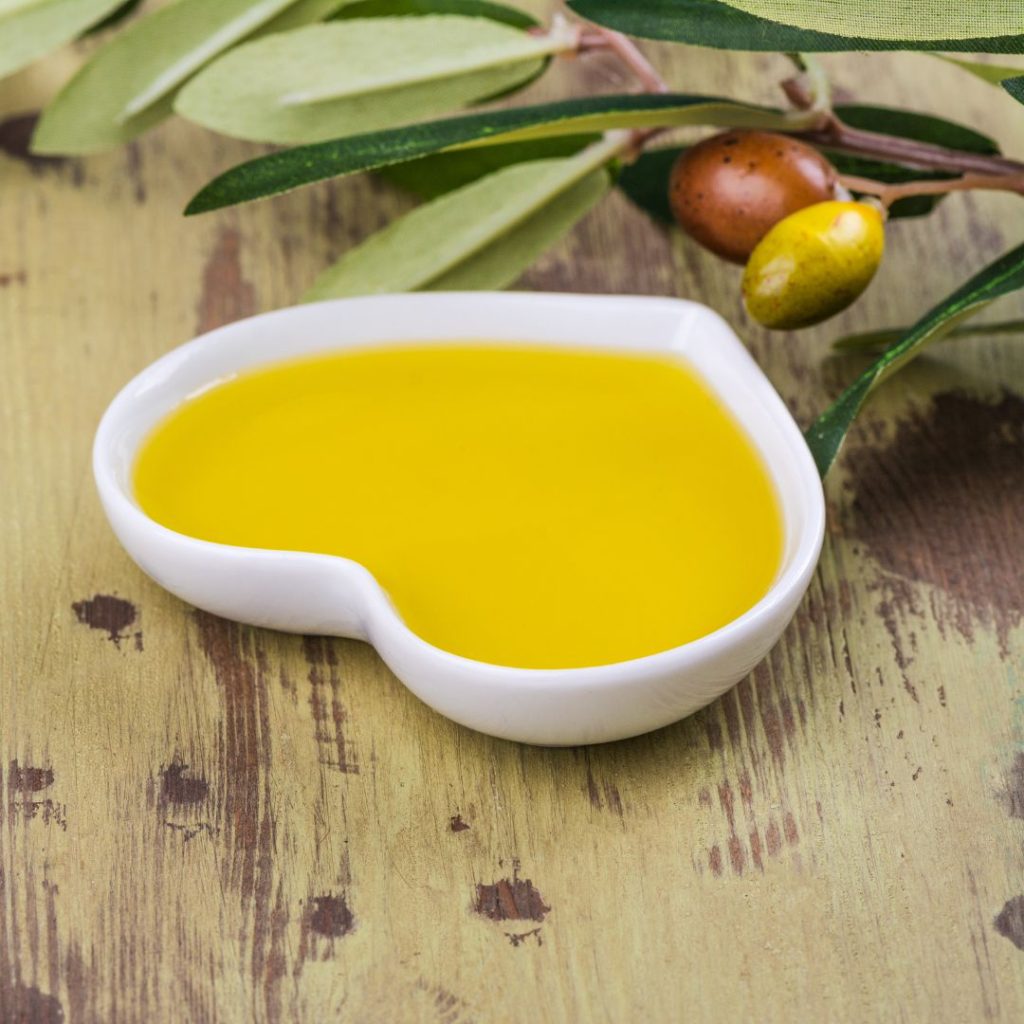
x=205, y=822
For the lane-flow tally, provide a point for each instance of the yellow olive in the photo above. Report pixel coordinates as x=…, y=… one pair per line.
x=728, y=191
x=814, y=264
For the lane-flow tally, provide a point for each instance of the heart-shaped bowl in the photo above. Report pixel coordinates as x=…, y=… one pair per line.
x=312, y=593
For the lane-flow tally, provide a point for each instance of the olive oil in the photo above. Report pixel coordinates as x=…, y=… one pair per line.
x=526, y=506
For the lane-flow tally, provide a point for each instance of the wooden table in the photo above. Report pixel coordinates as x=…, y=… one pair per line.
x=205, y=822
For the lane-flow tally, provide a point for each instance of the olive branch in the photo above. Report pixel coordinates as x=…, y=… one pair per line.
x=349, y=86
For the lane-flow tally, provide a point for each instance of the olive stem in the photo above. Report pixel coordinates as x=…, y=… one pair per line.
x=834, y=133
x=841, y=137
x=628, y=52
x=810, y=90
x=831, y=132
x=887, y=194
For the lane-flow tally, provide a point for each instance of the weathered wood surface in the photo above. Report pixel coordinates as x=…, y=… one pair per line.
x=201, y=821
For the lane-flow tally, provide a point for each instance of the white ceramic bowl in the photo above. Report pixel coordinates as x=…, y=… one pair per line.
x=310, y=593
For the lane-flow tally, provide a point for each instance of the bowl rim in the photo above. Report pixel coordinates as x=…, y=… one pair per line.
x=381, y=616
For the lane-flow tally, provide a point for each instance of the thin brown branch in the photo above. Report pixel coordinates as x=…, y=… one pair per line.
x=834, y=133
x=889, y=193
x=628, y=53
x=798, y=93
x=843, y=138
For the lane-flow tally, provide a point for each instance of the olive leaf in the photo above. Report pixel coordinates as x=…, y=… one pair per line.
x=129, y=85
x=1015, y=87
x=482, y=235
x=646, y=180
x=881, y=339
x=727, y=26
x=994, y=74
x=115, y=17
x=32, y=28
x=511, y=16
x=468, y=8
x=343, y=77
x=825, y=436
x=433, y=176
x=291, y=168
x=303, y=12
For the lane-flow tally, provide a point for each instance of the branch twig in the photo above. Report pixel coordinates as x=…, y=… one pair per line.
x=628, y=52
x=834, y=133
x=889, y=193
x=979, y=170
x=843, y=138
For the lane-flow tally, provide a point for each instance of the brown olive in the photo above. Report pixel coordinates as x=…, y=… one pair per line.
x=729, y=191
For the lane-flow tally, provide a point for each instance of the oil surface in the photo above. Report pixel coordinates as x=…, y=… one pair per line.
x=534, y=507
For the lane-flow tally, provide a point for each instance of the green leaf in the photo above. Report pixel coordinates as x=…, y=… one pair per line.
x=280, y=172
x=825, y=436
x=880, y=340
x=468, y=8
x=30, y=29
x=725, y=26
x=433, y=176
x=994, y=74
x=129, y=85
x=343, y=77
x=304, y=12
x=646, y=180
x=125, y=10
x=1015, y=87
x=482, y=235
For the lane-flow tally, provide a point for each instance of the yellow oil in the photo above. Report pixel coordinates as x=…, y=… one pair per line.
x=525, y=506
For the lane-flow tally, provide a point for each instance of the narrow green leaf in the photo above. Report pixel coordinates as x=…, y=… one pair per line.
x=30, y=29
x=280, y=172
x=501, y=264
x=433, y=176
x=907, y=22
x=1015, y=87
x=645, y=181
x=343, y=77
x=129, y=85
x=825, y=436
x=8, y=7
x=511, y=16
x=119, y=14
x=413, y=8
x=994, y=74
x=304, y=12
x=880, y=340
x=724, y=26
x=482, y=235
